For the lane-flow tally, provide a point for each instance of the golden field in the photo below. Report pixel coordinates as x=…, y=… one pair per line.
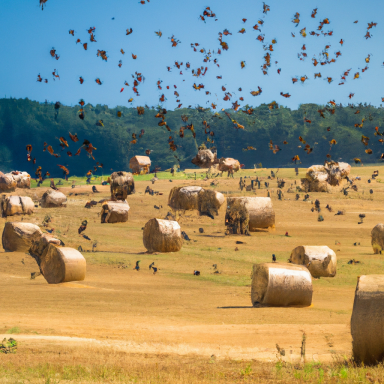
x=120, y=325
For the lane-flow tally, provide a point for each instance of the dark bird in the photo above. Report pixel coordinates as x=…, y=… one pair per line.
x=196, y=273
x=274, y=258
x=151, y=265
x=154, y=270
x=137, y=267
x=83, y=226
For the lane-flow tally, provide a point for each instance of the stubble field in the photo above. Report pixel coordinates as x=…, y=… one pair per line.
x=175, y=327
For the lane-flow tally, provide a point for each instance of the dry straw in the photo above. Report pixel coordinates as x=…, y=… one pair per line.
x=249, y=212
x=184, y=198
x=367, y=322
x=162, y=236
x=19, y=237
x=377, y=235
x=38, y=246
x=321, y=261
x=281, y=285
x=115, y=212
x=209, y=202
x=320, y=178
x=16, y=205
x=53, y=199
x=122, y=185
x=60, y=265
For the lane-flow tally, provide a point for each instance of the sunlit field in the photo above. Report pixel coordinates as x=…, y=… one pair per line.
x=122, y=325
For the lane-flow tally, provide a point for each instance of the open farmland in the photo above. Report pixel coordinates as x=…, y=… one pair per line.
x=173, y=315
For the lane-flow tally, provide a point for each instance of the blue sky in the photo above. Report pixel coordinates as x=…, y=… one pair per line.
x=28, y=34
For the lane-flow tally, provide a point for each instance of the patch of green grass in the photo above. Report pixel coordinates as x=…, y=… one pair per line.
x=14, y=331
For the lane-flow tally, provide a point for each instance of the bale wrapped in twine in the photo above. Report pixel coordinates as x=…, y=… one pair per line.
x=19, y=237
x=321, y=261
x=209, y=202
x=61, y=265
x=7, y=183
x=249, y=212
x=281, y=285
x=162, y=236
x=115, y=212
x=38, y=246
x=377, y=235
x=16, y=205
x=184, y=198
x=122, y=185
x=367, y=321
x=53, y=199
x=226, y=164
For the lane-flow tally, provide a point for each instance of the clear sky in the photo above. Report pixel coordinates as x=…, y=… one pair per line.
x=28, y=34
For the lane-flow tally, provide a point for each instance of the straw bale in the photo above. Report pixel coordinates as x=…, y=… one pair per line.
x=367, y=321
x=205, y=158
x=162, y=236
x=184, y=198
x=7, y=183
x=23, y=180
x=319, y=178
x=122, y=185
x=60, y=265
x=53, y=199
x=38, y=246
x=225, y=164
x=321, y=261
x=377, y=235
x=19, y=237
x=252, y=212
x=16, y=205
x=209, y=202
x=281, y=285
x=115, y=212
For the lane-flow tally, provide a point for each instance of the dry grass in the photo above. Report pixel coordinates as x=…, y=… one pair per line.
x=145, y=328
x=90, y=365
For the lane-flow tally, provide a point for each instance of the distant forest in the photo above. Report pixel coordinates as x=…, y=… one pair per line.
x=24, y=122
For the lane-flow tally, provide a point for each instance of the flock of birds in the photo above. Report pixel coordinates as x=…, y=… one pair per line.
x=324, y=59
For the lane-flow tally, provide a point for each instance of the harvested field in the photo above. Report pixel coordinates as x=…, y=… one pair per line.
x=174, y=319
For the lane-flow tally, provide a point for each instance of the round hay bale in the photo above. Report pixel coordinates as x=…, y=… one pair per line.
x=114, y=212
x=184, y=198
x=205, y=158
x=321, y=261
x=53, y=199
x=345, y=169
x=38, y=246
x=258, y=211
x=281, y=285
x=7, y=183
x=122, y=185
x=316, y=179
x=209, y=202
x=367, y=321
x=60, y=265
x=19, y=237
x=225, y=164
x=377, y=235
x=17, y=205
x=23, y=179
x=162, y=236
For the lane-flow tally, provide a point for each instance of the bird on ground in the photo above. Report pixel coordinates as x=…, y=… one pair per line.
x=274, y=258
x=151, y=265
x=137, y=267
